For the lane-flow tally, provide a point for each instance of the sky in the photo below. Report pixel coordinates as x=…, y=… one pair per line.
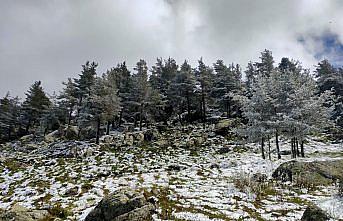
x=50, y=40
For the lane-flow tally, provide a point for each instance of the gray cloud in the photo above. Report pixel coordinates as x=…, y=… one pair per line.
x=49, y=40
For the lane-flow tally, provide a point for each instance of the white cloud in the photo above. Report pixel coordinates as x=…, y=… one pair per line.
x=49, y=40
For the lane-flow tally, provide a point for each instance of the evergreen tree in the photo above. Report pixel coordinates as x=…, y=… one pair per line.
x=68, y=99
x=35, y=104
x=101, y=106
x=9, y=116
x=331, y=79
x=250, y=75
x=53, y=117
x=204, y=76
x=227, y=83
x=181, y=91
x=266, y=66
x=141, y=90
x=86, y=80
x=124, y=84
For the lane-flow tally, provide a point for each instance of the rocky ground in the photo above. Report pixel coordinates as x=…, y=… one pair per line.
x=191, y=175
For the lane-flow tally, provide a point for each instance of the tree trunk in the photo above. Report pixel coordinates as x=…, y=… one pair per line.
x=203, y=107
x=297, y=146
x=135, y=121
x=108, y=127
x=262, y=148
x=228, y=109
x=97, y=131
x=180, y=119
x=69, y=116
x=302, y=148
x=9, y=133
x=188, y=105
x=292, y=148
x=277, y=145
x=120, y=117
x=28, y=126
x=269, y=152
x=141, y=118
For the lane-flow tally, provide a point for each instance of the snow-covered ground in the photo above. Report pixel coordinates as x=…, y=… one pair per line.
x=192, y=185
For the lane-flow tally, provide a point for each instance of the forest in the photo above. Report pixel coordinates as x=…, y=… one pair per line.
x=271, y=100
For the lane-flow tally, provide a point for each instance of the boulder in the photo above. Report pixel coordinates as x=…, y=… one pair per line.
x=19, y=213
x=128, y=139
x=314, y=213
x=122, y=205
x=138, y=137
x=151, y=135
x=223, y=127
x=315, y=172
x=52, y=137
x=224, y=150
x=27, y=138
x=88, y=133
x=67, y=149
x=285, y=152
x=107, y=139
x=71, y=132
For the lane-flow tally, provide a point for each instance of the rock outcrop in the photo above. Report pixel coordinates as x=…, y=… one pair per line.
x=67, y=149
x=19, y=213
x=121, y=206
x=314, y=213
x=315, y=172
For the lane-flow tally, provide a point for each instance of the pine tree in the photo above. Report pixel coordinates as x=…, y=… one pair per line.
x=204, y=75
x=121, y=77
x=141, y=90
x=86, y=80
x=226, y=84
x=250, y=75
x=266, y=66
x=181, y=91
x=52, y=117
x=331, y=79
x=9, y=116
x=35, y=104
x=68, y=99
x=101, y=106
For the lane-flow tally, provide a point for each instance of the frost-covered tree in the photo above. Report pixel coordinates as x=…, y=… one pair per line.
x=86, y=80
x=101, y=106
x=53, y=117
x=285, y=103
x=9, y=116
x=331, y=79
x=140, y=92
x=226, y=84
x=35, y=104
x=204, y=76
x=266, y=65
x=124, y=84
x=181, y=91
x=68, y=99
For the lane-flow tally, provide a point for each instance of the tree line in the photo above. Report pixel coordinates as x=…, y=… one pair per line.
x=273, y=100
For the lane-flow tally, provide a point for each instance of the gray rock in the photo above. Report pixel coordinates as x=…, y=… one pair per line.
x=19, y=213
x=314, y=213
x=285, y=152
x=224, y=150
x=52, y=137
x=67, y=149
x=71, y=132
x=316, y=172
x=27, y=138
x=122, y=205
